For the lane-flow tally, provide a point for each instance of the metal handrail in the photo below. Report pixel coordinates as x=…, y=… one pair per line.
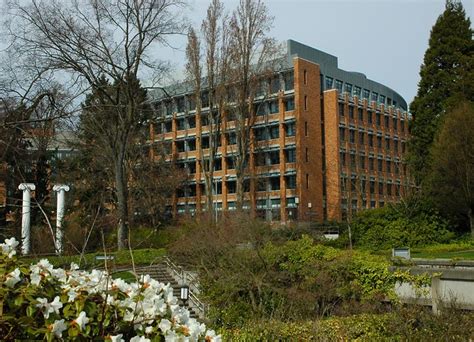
x=181, y=275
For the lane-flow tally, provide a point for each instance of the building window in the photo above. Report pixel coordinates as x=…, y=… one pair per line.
x=388, y=166
x=348, y=88
x=261, y=133
x=274, y=157
x=305, y=76
x=366, y=94
x=329, y=82
x=273, y=106
x=339, y=85
x=341, y=109
x=395, y=146
x=377, y=119
x=291, y=182
x=192, y=122
x=371, y=164
x=387, y=143
x=274, y=132
x=382, y=99
x=372, y=187
x=290, y=155
x=289, y=104
x=274, y=183
x=374, y=96
x=275, y=85
x=289, y=81
x=402, y=126
x=230, y=161
x=342, y=156
x=380, y=165
x=231, y=138
x=306, y=128
x=357, y=91
x=387, y=121
x=389, y=189
x=361, y=138
x=351, y=112
x=181, y=124
x=379, y=142
x=352, y=136
x=307, y=181
x=361, y=114
x=395, y=124
x=290, y=129
x=342, y=133
x=403, y=147
x=362, y=162
x=371, y=140
x=369, y=117
x=353, y=161
x=381, y=188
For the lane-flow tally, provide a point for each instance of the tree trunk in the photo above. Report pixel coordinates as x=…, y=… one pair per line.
x=469, y=215
x=122, y=205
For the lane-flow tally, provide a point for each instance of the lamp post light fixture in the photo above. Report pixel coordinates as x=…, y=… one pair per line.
x=184, y=293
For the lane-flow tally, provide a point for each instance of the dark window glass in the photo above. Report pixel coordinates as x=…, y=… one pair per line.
x=361, y=114
x=361, y=138
x=341, y=109
x=289, y=104
x=369, y=116
x=291, y=182
x=351, y=112
x=290, y=155
x=290, y=129
x=352, y=136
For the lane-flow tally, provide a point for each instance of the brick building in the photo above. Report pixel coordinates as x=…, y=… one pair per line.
x=326, y=142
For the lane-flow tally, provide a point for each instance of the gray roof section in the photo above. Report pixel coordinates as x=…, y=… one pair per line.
x=329, y=67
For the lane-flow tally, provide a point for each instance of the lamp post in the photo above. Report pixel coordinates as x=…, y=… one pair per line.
x=184, y=293
x=60, y=190
x=25, y=216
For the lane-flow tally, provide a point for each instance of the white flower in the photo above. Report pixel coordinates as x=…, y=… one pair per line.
x=58, y=327
x=117, y=338
x=148, y=330
x=211, y=336
x=164, y=325
x=8, y=248
x=139, y=339
x=74, y=266
x=13, y=278
x=82, y=320
x=48, y=308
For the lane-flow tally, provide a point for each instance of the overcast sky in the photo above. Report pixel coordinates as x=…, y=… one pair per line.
x=384, y=39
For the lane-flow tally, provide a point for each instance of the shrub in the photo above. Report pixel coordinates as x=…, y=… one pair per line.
x=43, y=302
x=391, y=226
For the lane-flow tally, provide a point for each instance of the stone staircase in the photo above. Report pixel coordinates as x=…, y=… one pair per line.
x=163, y=273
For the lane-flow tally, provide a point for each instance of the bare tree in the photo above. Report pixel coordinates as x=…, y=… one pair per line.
x=251, y=56
x=213, y=79
x=88, y=40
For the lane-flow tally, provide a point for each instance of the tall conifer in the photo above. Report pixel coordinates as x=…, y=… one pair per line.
x=446, y=77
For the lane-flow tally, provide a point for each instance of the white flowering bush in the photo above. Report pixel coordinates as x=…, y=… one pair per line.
x=43, y=302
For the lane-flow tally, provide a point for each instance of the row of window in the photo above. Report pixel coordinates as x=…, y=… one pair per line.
x=363, y=162
x=189, y=122
x=353, y=90
x=263, y=184
x=185, y=103
x=389, y=122
x=362, y=186
x=263, y=158
x=371, y=139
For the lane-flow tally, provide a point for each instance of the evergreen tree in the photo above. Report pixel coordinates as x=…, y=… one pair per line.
x=446, y=77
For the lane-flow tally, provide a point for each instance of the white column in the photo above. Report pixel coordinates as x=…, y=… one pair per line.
x=60, y=189
x=25, y=216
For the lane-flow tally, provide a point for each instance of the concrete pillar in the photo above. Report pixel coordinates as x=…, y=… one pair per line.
x=436, y=299
x=25, y=216
x=60, y=189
